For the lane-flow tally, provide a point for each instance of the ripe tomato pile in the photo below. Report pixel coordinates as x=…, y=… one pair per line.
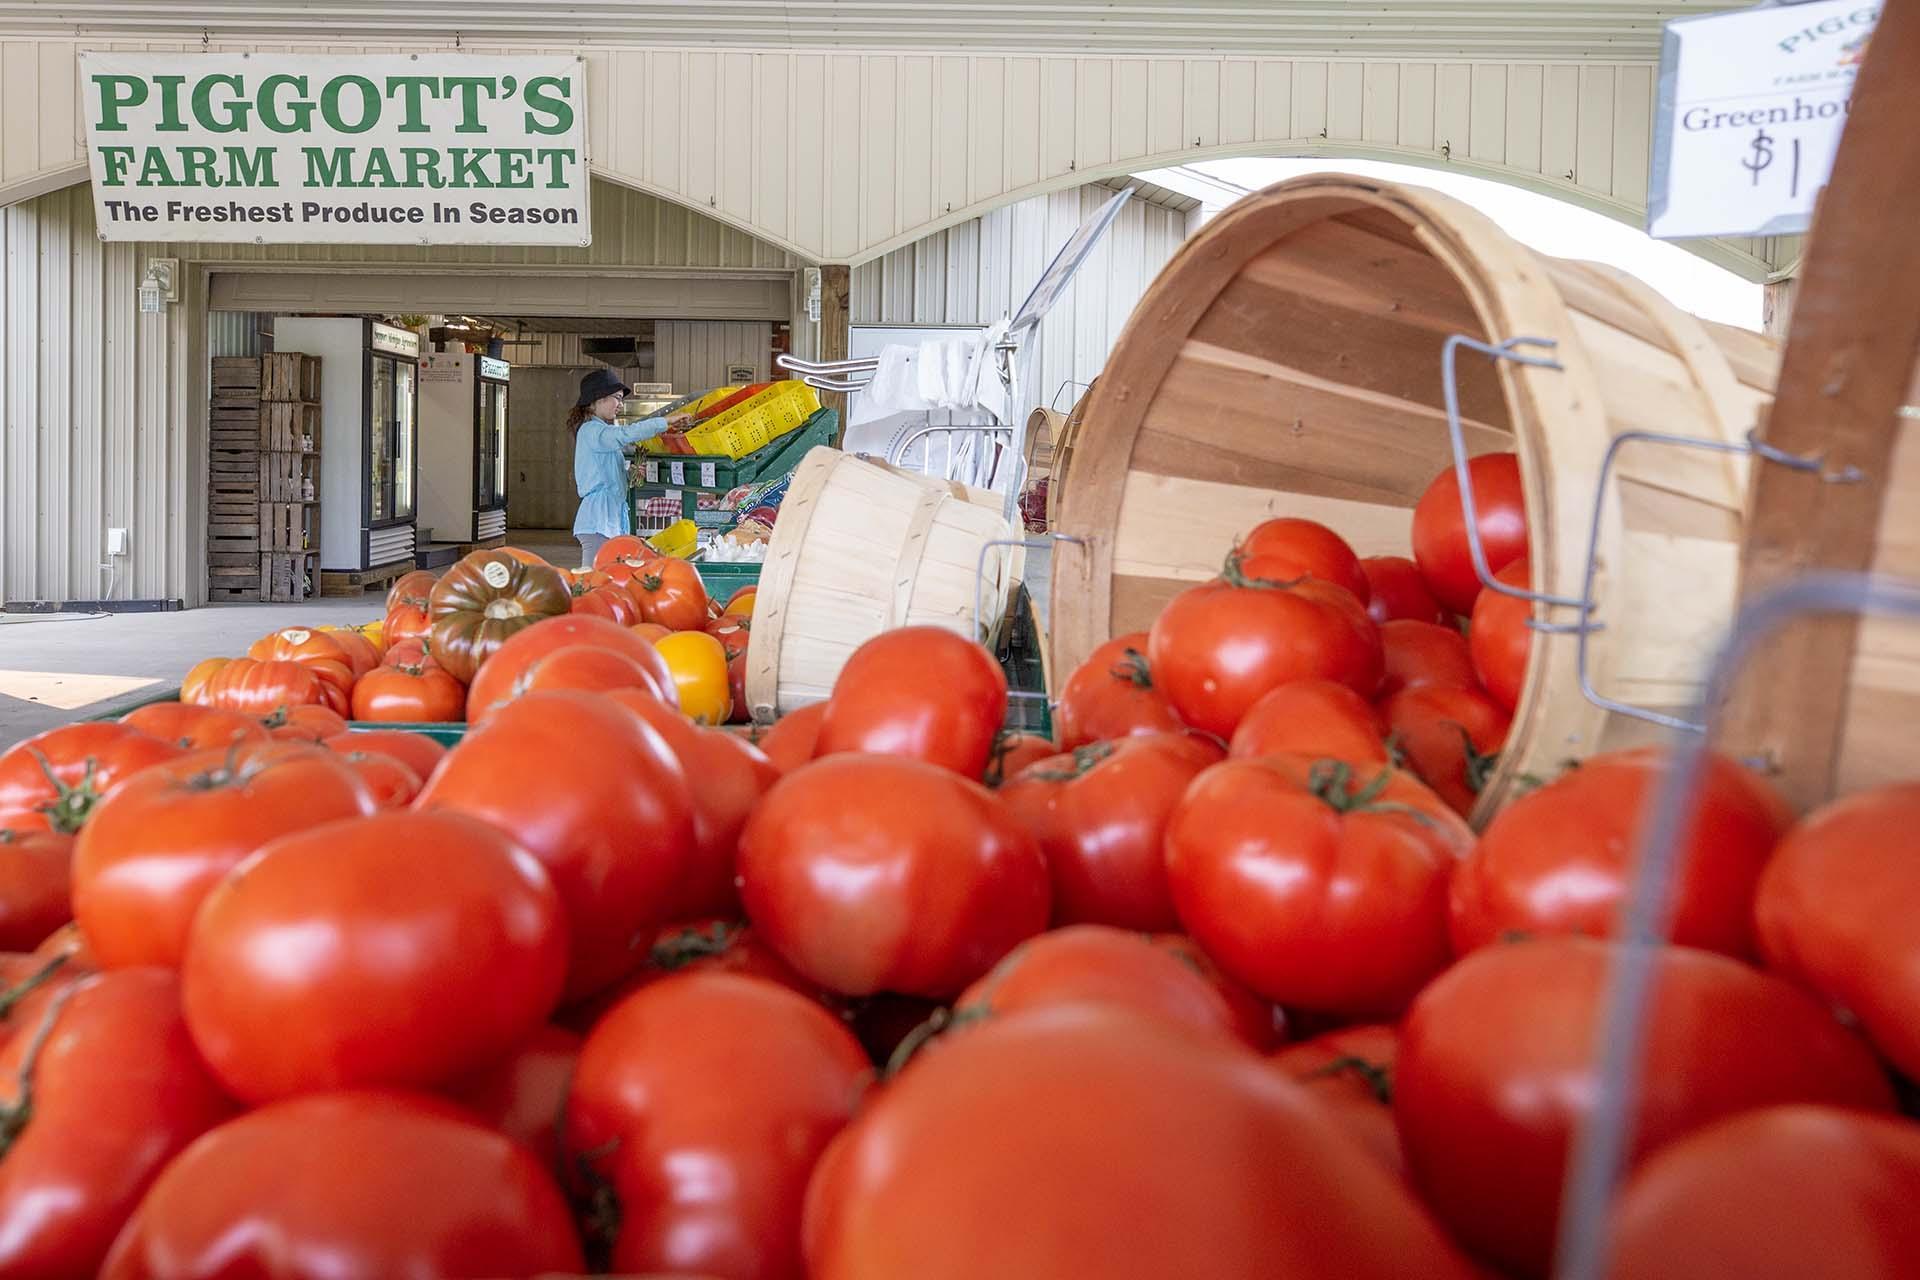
x=1218, y=984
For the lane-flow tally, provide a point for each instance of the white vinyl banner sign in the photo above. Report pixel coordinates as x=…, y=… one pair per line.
x=374, y=149
x=1750, y=109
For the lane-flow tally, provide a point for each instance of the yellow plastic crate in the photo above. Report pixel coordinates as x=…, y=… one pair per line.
x=740, y=430
x=714, y=396
x=679, y=539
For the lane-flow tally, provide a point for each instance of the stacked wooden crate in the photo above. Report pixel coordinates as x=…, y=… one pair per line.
x=263, y=508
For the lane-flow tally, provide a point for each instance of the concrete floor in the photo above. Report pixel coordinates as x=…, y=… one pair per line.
x=57, y=668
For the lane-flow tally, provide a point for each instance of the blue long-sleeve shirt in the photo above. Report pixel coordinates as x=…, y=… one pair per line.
x=600, y=474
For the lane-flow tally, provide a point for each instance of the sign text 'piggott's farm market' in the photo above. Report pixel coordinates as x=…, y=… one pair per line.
x=378, y=149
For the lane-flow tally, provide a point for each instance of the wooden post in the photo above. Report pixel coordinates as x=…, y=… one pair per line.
x=836, y=291
x=1855, y=333
x=1777, y=307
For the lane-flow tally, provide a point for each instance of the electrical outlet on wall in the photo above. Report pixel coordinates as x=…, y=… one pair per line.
x=116, y=542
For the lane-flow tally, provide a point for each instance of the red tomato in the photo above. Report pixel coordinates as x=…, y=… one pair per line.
x=1500, y=638
x=1556, y=860
x=597, y=796
x=364, y=656
x=1219, y=648
x=194, y=728
x=1288, y=548
x=1095, y=964
x=503, y=670
x=733, y=631
x=1450, y=737
x=157, y=847
x=737, y=689
x=195, y=685
x=403, y=692
x=1112, y=695
x=870, y=873
x=1498, y=1068
x=36, y=875
x=311, y=724
x=406, y=623
x=1784, y=1193
x=524, y=1094
x=1424, y=653
x=1024, y=1188
x=391, y=782
x=671, y=594
x=624, y=550
x=1398, y=591
x=1258, y=1022
x=1318, y=889
x=1835, y=914
x=415, y=588
x=1440, y=528
x=651, y=632
x=611, y=602
x=1351, y=1072
x=355, y=1183
x=794, y=737
x=1013, y=752
x=696, y=946
x=1312, y=718
x=1100, y=815
x=402, y=949
x=579, y=668
x=63, y=773
x=702, y=1104
x=116, y=1090
x=729, y=775
x=415, y=750
x=920, y=692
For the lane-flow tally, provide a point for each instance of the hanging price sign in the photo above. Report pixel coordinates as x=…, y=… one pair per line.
x=1750, y=109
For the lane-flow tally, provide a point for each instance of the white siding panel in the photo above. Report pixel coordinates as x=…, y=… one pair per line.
x=1019, y=125
x=1594, y=164
x=694, y=354
x=700, y=129
x=1418, y=85
x=1487, y=137
x=1203, y=104
x=1560, y=133
x=738, y=107
x=807, y=149
x=1130, y=108
x=1453, y=108
x=1632, y=133
x=1310, y=100
x=1166, y=106
x=1381, y=123
x=1093, y=114
x=1058, y=128
x=844, y=132
x=770, y=177
x=986, y=158
x=950, y=154
x=914, y=157
x=1525, y=87
x=878, y=182
x=1237, y=82
x=1273, y=88
x=1346, y=101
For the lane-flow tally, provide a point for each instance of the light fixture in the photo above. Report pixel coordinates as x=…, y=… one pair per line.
x=157, y=287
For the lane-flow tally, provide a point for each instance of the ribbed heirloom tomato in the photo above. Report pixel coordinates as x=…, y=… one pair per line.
x=1089, y=1141
x=1320, y=885
x=157, y=847
x=1218, y=649
x=258, y=688
x=596, y=795
x=483, y=601
x=921, y=692
x=702, y=1103
x=1100, y=817
x=194, y=728
x=1499, y=1065
x=107, y=1088
x=868, y=873
x=1556, y=860
x=355, y=1183
x=429, y=946
x=1111, y=695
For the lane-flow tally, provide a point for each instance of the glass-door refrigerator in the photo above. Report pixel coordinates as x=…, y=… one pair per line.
x=370, y=409
x=463, y=447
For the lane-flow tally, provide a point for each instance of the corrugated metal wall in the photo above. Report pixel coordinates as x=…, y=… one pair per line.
x=979, y=271
x=693, y=355
x=95, y=396
x=845, y=155
x=235, y=333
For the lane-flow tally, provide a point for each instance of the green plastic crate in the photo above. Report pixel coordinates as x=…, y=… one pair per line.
x=717, y=473
x=723, y=579
x=445, y=732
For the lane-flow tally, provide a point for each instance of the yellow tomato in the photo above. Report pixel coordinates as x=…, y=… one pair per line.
x=742, y=601
x=699, y=666
x=376, y=632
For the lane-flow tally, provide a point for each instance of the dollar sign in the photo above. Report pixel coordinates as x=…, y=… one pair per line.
x=1762, y=155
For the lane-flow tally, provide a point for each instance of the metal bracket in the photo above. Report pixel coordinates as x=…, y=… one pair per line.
x=1600, y=1146
x=1585, y=604
x=980, y=579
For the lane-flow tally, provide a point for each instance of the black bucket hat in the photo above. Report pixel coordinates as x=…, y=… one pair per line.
x=601, y=382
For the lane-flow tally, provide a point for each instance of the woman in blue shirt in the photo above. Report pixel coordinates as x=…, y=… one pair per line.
x=599, y=466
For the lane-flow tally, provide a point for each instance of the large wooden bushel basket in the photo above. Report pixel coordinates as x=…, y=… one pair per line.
x=1287, y=361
